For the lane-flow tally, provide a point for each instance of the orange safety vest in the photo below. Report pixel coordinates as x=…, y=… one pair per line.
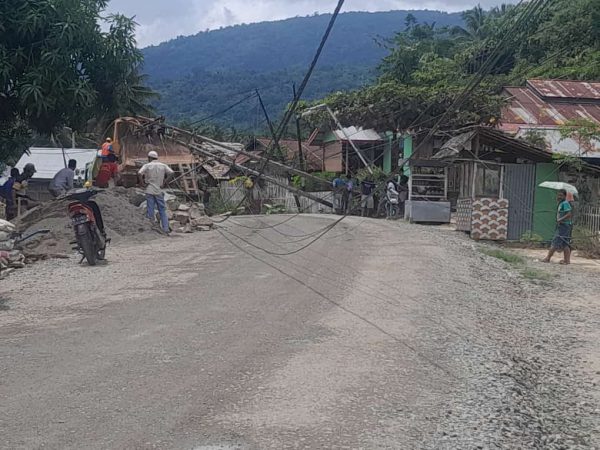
x=106, y=149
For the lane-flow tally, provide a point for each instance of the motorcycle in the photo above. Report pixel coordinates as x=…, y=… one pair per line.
x=392, y=205
x=87, y=223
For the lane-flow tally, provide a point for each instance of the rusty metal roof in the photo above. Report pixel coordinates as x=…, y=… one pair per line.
x=526, y=107
x=313, y=154
x=217, y=170
x=556, y=89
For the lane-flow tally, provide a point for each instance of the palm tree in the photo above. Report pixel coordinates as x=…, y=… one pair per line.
x=475, y=24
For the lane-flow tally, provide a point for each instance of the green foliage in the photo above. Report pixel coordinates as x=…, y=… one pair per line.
x=378, y=175
x=586, y=242
x=536, y=138
x=200, y=75
x=583, y=131
x=569, y=161
x=530, y=237
x=502, y=255
x=517, y=262
x=429, y=66
x=57, y=67
x=536, y=274
x=311, y=185
x=274, y=209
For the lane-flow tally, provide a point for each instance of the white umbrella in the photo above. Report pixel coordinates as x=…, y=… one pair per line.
x=558, y=185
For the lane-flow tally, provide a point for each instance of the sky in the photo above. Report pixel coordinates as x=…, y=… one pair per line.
x=161, y=20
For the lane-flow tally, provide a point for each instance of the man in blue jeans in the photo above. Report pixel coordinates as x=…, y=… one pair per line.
x=155, y=175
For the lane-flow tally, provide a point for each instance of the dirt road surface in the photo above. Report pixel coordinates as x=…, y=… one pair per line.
x=379, y=335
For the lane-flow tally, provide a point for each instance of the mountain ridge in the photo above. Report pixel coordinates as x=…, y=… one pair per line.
x=188, y=71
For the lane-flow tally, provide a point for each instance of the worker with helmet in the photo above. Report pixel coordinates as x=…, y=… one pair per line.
x=155, y=175
x=107, y=149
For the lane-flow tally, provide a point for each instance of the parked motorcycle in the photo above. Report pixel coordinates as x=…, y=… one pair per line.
x=392, y=205
x=87, y=223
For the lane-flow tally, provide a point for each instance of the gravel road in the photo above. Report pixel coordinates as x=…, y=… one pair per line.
x=379, y=335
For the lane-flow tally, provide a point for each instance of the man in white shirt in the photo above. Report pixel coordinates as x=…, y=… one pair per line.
x=154, y=175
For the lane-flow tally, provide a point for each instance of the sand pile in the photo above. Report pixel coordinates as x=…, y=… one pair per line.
x=123, y=220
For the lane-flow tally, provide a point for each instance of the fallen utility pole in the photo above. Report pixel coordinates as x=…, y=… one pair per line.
x=197, y=149
x=250, y=155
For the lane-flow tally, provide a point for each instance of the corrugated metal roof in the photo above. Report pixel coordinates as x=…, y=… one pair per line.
x=557, y=144
x=556, y=89
x=217, y=170
x=217, y=149
x=357, y=134
x=48, y=161
x=494, y=138
x=313, y=154
x=455, y=145
x=242, y=159
x=526, y=107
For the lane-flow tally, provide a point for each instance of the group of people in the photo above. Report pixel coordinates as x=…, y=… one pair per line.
x=343, y=188
x=64, y=179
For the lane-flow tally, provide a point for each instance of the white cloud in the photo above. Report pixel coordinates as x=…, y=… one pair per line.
x=160, y=20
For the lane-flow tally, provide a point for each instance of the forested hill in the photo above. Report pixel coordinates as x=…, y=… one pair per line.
x=200, y=75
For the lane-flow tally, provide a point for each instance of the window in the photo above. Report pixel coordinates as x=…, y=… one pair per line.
x=488, y=180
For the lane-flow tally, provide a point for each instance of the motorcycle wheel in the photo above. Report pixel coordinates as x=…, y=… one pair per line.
x=88, y=247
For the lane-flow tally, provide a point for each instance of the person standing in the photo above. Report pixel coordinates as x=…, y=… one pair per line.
x=402, y=194
x=63, y=180
x=155, y=175
x=107, y=149
x=108, y=171
x=367, y=202
x=339, y=188
x=348, y=195
x=564, y=229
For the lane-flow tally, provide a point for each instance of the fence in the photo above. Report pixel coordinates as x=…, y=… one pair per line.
x=235, y=193
x=589, y=217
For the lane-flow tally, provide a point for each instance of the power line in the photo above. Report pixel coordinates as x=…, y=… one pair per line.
x=347, y=310
x=229, y=108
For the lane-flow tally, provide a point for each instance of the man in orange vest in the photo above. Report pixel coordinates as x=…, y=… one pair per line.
x=107, y=149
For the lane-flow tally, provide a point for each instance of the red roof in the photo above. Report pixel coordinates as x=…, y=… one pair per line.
x=313, y=154
x=242, y=159
x=550, y=104
x=555, y=89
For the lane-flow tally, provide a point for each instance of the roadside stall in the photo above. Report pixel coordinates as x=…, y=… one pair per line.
x=428, y=192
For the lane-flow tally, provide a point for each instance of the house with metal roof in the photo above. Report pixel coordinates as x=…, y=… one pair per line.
x=543, y=106
x=494, y=181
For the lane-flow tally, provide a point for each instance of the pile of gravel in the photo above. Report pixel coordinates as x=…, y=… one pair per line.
x=123, y=220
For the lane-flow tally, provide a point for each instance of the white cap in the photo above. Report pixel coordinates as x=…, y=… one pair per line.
x=152, y=154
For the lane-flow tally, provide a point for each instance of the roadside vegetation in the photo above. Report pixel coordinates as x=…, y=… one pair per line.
x=518, y=263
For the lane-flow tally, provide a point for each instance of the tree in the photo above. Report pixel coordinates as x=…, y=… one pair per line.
x=428, y=67
x=57, y=67
x=585, y=132
x=536, y=138
x=475, y=24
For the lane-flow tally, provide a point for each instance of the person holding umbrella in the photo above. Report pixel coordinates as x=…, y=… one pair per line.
x=564, y=229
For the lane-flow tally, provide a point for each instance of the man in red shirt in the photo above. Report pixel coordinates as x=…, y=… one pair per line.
x=108, y=170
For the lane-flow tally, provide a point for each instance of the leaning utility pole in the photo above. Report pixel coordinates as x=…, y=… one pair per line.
x=199, y=150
